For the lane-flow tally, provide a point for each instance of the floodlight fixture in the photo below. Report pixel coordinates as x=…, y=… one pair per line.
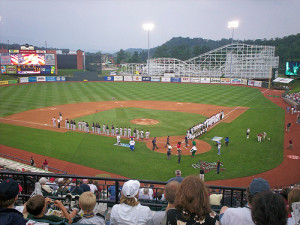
x=233, y=24
x=148, y=26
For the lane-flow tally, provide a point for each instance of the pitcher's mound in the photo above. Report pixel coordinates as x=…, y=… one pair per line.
x=144, y=121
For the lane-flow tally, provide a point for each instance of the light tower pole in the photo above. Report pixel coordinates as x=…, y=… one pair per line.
x=232, y=24
x=148, y=27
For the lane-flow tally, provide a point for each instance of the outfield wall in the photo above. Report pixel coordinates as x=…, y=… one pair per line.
x=199, y=80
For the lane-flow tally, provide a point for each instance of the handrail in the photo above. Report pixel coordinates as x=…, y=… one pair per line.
x=231, y=195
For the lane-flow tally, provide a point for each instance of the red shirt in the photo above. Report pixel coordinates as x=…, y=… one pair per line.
x=178, y=145
x=45, y=163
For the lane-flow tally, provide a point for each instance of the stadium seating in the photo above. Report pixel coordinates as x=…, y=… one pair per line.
x=17, y=166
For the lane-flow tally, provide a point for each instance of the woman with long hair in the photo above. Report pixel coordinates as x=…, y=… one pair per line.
x=192, y=204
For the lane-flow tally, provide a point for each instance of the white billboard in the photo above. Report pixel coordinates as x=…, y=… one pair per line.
x=185, y=79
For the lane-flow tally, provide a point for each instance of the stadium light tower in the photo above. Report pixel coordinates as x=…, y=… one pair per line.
x=232, y=24
x=148, y=27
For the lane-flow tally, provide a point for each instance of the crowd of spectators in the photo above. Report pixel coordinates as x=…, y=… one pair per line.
x=189, y=201
x=294, y=96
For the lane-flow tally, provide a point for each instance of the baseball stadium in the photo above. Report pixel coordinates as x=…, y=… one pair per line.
x=217, y=116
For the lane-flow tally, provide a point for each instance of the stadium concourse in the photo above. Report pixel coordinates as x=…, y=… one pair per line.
x=285, y=174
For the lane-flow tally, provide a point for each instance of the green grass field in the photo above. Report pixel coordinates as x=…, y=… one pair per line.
x=241, y=158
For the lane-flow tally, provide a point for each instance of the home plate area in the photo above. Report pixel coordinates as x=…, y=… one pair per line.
x=207, y=166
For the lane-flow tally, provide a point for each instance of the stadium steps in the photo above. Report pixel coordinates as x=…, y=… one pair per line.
x=13, y=165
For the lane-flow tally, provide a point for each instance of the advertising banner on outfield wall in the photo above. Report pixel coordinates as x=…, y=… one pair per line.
x=50, y=78
x=12, y=82
x=225, y=80
x=60, y=78
x=146, y=78
x=118, y=78
x=4, y=82
x=31, y=79
x=257, y=83
x=185, y=79
x=205, y=80
x=109, y=78
x=215, y=80
x=195, y=79
x=175, y=79
x=244, y=81
x=236, y=81
x=165, y=79
x=127, y=78
x=10, y=69
x=155, y=79
x=136, y=78
x=23, y=79
x=250, y=82
x=40, y=79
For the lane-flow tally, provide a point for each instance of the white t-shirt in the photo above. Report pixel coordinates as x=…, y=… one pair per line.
x=237, y=216
x=128, y=215
x=93, y=188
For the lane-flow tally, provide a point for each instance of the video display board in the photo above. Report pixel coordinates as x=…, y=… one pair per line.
x=29, y=69
x=31, y=59
x=292, y=68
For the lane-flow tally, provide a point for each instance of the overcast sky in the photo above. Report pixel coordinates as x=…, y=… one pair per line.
x=109, y=25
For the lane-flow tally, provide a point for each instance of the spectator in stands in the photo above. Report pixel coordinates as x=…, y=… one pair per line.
x=62, y=187
x=192, y=204
x=160, y=217
x=145, y=194
x=178, y=177
x=294, y=196
x=237, y=216
x=268, y=208
x=36, y=207
x=9, y=190
x=84, y=186
x=149, y=191
x=93, y=187
x=130, y=211
x=46, y=190
x=76, y=190
x=52, y=184
x=112, y=191
x=87, y=202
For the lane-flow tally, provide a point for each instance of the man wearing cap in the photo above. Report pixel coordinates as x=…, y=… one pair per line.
x=52, y=184
x=130, y=211
x=178, y=177
x=9, y=190
x=239, y=215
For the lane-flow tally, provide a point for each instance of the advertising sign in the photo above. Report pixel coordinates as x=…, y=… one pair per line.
x=23, y=79
x=165, y=79
x=10, y=69
x=49, y=59
x=31, y=79
x=50, y=78
x=40, y=51
x=13, y=51
x=225, y=80
x=215, y=80
x=3, y=69
x=257, y=83
x=63, y=78
x=155, y=79
x=185, y=79
x=136, y=78
x=5, y=59
x=127, y=78
x=109, y=78
x=29, y=69
x=146, y=78
x=175, y=79
x=244, y=81
x=118, y=78
x=250, y=82
x=4, y=82
x=236, y=81
x=40, y=79
x=12, y=82
x=168, y=75
x=205, y=80
x=195, y=79
x=27, y=51
x=52, y=69
x=45, y=69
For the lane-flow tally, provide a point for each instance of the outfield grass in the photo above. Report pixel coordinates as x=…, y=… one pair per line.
x=242, y=157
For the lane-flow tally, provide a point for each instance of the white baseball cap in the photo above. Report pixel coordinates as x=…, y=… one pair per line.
x=131, y=188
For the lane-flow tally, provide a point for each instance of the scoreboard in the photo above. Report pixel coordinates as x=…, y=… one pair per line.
x=23, y=62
